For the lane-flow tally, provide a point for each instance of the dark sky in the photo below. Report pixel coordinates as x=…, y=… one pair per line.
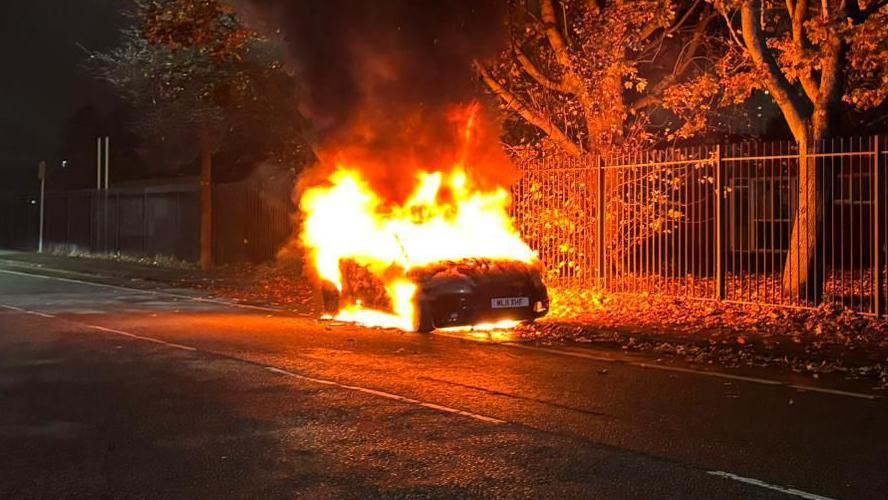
x=41, y=83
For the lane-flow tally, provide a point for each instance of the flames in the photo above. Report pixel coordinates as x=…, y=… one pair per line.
x=447, y=216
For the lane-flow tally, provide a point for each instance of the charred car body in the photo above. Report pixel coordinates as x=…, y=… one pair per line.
x=458, y=293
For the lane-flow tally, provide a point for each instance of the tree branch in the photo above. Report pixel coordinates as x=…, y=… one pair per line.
x=556, y=40
x=528, y=114
x=535, y=73
x=652, y=27
x=792, y=107
x=798, y=16
x=859, y=15
x=682, y=63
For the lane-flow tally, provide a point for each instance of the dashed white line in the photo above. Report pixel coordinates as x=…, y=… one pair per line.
x=560, y=352
x=140, y=337
x=761, y=484
x=365, y=390
x=678, y=369
x=491, y=420
x=25, y=311
x=389, y=395
x=836, y=392
x=152, y=292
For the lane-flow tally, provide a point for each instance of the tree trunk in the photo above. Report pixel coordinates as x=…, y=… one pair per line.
x=206, y=202
x=803, y=275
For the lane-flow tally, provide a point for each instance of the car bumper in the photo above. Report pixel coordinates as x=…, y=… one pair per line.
x=472, y=310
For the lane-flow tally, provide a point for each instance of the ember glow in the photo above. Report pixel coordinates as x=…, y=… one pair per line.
x=447, y=217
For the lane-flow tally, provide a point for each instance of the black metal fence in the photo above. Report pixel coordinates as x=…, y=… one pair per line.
x=717, y=222
x=250, y=224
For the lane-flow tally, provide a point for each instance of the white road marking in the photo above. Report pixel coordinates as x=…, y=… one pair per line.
x=25, y=311
x=152, y=292
x=139, y=337
x=560, y=352
x=761, y=484
x=389, y=395
x=483, y=418
x=836, y=392
x=753, y=380
x=365, y=390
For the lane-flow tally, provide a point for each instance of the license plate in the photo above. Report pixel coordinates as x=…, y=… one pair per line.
x=509, y=302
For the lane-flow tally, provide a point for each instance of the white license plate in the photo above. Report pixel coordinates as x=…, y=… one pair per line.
x=509, y=302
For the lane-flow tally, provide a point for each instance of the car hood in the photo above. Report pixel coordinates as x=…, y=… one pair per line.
x=484, y=277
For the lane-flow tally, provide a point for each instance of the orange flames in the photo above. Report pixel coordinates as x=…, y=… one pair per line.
x=446, y=217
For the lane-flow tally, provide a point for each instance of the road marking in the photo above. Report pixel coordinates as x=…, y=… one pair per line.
x=25, y=311
x=476, y=416
x=583, y=355
x=837, y=392
x=389, y=395
x=742, y=378
x=561, y=352
x=139, y=337
x=365, y=390
x=152, y=292
x=762, y=484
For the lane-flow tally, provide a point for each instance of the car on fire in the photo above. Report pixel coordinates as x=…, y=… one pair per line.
x=460, y=293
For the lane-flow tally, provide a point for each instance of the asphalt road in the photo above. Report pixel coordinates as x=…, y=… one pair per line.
x=114, y=392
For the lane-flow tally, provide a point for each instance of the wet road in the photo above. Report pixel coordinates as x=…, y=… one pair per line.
x=108, y=391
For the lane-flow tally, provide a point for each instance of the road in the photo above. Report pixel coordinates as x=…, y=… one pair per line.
x=115, y=392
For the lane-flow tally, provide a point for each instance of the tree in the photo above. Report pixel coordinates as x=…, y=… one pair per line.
x=595, y=76
x=817, y=60
x=198, y=74
x=590, y=74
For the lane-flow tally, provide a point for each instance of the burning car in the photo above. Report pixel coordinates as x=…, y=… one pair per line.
x=468, y=292
x=440, y=252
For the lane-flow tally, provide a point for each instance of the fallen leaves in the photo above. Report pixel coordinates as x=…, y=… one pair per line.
x=815, y=341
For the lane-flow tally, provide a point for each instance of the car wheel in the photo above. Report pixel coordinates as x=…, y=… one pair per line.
x=330, y=296
x=423, y=322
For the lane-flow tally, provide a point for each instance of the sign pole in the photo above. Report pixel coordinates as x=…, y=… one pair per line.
x=107, y=156
x=41, y=174
x=105, y=198
x=98, y=163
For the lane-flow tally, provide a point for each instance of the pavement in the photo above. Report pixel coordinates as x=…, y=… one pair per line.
x=112, y=388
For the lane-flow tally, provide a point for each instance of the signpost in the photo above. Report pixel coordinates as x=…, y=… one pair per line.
x=103, y=153
x=41, y=175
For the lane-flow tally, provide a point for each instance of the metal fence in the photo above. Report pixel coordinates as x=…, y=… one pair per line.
x=249, y=224
x=717, y=222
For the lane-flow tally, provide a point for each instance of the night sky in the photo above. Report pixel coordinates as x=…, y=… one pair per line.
x=41, y=83
x=342, y=50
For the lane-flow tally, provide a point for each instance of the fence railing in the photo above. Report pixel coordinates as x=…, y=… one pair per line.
x=756, y=222
x=249, y=225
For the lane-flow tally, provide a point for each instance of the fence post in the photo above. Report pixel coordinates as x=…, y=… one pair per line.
x=117, y=223
x=602, y=262
x=719, y=227
x=145, y=221
x=878, y=230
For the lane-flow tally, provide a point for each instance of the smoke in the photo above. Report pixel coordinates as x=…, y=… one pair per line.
x=353, y=54
x=382, y=76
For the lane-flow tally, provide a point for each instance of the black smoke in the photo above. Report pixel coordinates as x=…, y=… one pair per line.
x=380, y=60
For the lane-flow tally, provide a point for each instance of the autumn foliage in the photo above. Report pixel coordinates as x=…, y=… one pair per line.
x=210, y=25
